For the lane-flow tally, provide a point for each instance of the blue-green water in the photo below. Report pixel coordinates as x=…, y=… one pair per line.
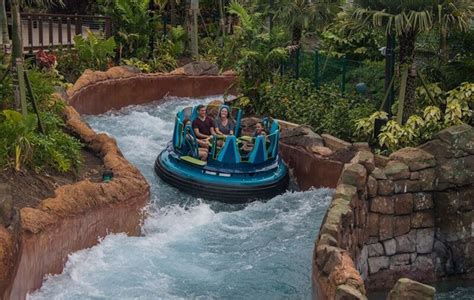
x=192, y=248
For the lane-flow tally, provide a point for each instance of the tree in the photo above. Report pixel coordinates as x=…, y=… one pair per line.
x=5, y=40
x=299, y=15
x=406, y=19
x=453, y=14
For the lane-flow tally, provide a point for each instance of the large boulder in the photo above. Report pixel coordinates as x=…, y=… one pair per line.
x=301, y=136
x=460, y=138
x=416, y=159
x=407, y=289
x=199, y=68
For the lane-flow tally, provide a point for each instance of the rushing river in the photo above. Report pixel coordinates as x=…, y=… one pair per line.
x=192, y=248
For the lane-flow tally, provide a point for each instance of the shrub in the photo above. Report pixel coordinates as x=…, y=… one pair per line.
x=297, y=100
x=458, y=104
x=22, y=145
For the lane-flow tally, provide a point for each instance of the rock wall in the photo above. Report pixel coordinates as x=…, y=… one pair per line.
x=407, y=216
x=96, y=92
x=316, y=160
x=76, y=217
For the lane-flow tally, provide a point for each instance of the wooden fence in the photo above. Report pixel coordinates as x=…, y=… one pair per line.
x=47, y=31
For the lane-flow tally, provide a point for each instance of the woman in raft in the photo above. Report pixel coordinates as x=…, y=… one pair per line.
x=224, y=125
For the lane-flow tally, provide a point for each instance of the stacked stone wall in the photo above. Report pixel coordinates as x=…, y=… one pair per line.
x=410, y=215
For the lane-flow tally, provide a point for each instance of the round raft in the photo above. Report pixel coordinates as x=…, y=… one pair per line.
x=229, y=174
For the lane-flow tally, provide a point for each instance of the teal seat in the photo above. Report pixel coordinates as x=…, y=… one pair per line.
x=258, y=153
x=191, y=146
x=273, y=148
x=229, y=152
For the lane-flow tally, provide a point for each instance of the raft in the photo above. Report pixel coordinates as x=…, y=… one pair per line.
x=229, y=175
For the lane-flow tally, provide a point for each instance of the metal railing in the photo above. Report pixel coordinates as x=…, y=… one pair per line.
x=47, y=31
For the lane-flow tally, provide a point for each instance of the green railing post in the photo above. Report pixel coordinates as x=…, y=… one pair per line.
x=21, y=86
x=316, y=68
x=343, y=76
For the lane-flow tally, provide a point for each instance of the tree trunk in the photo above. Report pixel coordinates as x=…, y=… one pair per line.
x=173, y=17
x=296, y=33
x=17, y=44
x=222, y=20
x=5, y=39
x=194, y=27
x=407, y=56
x=443, y=40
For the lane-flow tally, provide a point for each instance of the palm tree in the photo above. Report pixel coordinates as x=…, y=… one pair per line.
x=299, y=15
x=5, y=40
x=453, y=14
x=406, y=19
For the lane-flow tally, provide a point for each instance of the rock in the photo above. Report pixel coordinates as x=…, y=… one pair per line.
x=362, y=146
x=416, y=159
x=390, y=247
x=343, y=155
x=366, y=159
x=326, y=239
x=383, y=205
x=403, y=204
x=422, y=219
x=6, y=204
x=439, y=149
x=424, y=263
x=320, y=150
x=213, y=108
x=248, y=125
x=178, y=71
x=381, y=161
x=372, y=187
x=385, y=227
x=34, y=220
x=121, y=72
x=229, y=73
x=458, y=137
x=425, y=240
x=427, y=179
x=301, y=136
x=373, y=224
x=334, y=259
x=354, y=174
x=400, y=260
x=385, y=187
x=347, y=292
x=346, y=192
x=396, y=170
x=414, y=175
x=199, y=68
x=406, y=243
x=406, y=186
x=422, y=201
x=407, y=289
x=379, y=174
x=334, y=143
x=378, y=263
x=456, y=172
x=375, y=249
x=402, y=225
x=362, y=265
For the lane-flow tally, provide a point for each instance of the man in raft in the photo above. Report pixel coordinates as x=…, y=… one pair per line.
x=203, y=127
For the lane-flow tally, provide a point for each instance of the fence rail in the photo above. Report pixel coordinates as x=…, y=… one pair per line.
x=46, y=31
x=324, y=69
